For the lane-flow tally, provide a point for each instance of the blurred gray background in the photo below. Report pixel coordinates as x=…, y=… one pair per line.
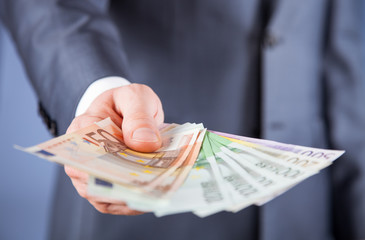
x=26, y=182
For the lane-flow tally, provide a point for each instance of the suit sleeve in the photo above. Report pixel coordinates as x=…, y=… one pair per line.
x=345, y=81
x=65, y=45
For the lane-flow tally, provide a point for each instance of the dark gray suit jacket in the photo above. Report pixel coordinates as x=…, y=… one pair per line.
x=199, y=56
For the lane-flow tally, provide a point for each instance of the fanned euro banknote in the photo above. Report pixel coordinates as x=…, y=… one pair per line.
x=195, y=170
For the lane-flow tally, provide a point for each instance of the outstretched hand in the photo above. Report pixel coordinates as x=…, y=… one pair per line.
x=138, y=110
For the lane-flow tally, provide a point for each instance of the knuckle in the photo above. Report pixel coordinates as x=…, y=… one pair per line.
x=83, y=194
x=68, y=170
x=100, y=207
x=118, y=209
x=140, y=116
x=76, y=174
x=71, y=172
x=140, y=87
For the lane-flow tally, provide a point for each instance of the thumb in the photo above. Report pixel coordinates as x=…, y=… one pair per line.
x=142, y=114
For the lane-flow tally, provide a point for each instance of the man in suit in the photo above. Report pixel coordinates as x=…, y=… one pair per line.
x=285, y=70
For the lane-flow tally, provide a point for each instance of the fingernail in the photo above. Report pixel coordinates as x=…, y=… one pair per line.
x=144, y=135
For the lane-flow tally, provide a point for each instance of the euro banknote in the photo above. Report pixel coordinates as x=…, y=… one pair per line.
x=195, y=170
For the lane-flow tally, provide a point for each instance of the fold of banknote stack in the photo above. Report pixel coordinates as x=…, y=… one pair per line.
x=195, y=170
